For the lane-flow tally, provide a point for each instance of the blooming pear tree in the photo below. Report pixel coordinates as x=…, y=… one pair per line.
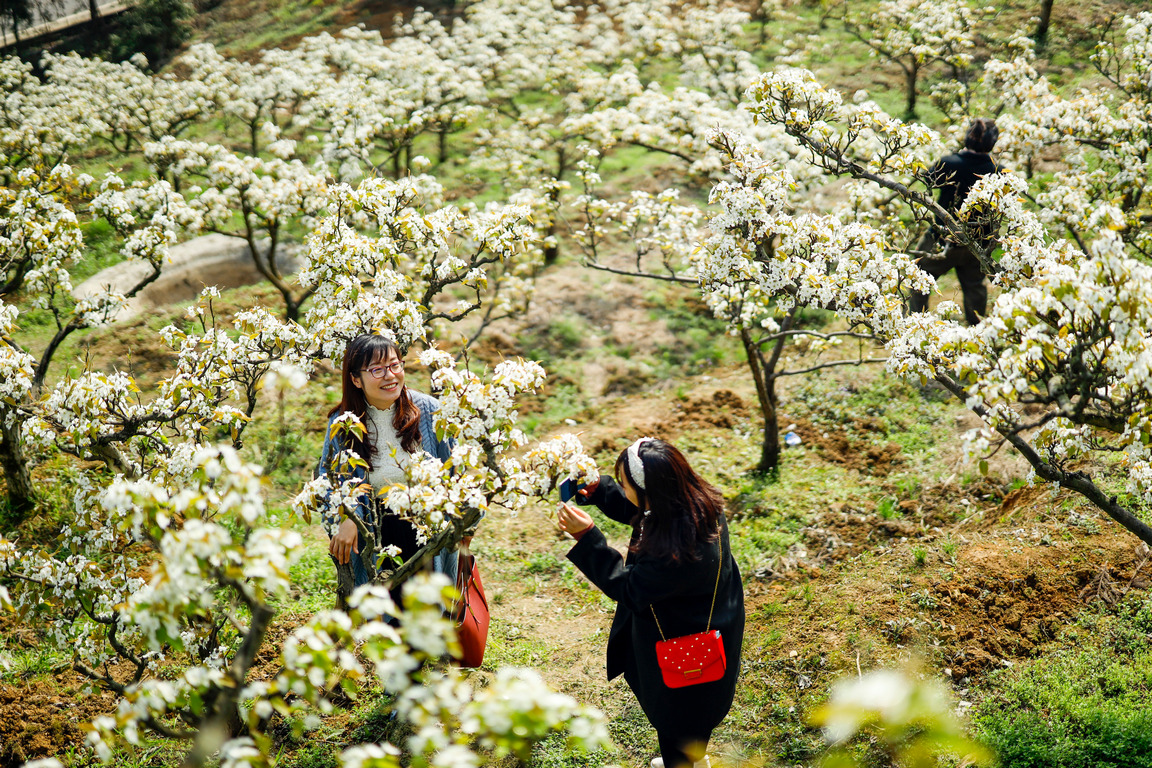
x=1102, y=135
x=218, y=571
x=905, y=718
x=764, y=263
x=173, y=562
x=399, y=241
x=125, y=106
x=40, y=121
x=43, y=239
x=705, y=38
x=384, y=97
x=760, y=263
x=267, y=196
x=1065, y=336
x=917, y=34
x=270, y=91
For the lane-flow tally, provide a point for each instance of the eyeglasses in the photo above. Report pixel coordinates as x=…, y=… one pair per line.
x=378, y=371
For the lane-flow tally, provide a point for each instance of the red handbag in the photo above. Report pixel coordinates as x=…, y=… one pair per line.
x=471, y=613
x=693, y=659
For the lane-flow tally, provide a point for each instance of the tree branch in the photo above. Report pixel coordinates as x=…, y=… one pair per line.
x=671, y=278
x=1079, y=482
x=834, y=364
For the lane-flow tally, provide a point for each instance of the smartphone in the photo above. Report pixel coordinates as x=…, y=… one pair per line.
x=568, y=489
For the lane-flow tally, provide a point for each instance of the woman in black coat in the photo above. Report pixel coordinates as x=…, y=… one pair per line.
x=668, y=581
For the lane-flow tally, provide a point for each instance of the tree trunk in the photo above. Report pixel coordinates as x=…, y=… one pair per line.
x=911, y=75
x=345, y=583
x=552, y=252
x=1042, y=26
x=765, y=381
x=442, y=136
x=21, y=493
x=291, y=308
x=224, y=721
x=96, y=21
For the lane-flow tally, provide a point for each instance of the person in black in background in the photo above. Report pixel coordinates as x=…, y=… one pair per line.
x=954, y=176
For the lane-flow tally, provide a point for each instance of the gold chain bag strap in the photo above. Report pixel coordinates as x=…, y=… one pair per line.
x=693, y=659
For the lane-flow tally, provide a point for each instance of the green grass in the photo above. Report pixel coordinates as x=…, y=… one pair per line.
x=772, y=514
x=558, y=341
x=888, y=508
x=35, y=662
x=1085, y=704
x=509, y=645
x=240, y=27
x=313, y=580
x=554, y=752
x=702, y=341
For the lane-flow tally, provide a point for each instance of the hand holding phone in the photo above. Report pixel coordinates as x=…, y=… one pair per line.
x=568, y=489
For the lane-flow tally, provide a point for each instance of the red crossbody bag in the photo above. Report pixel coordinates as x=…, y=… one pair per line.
x=693, y=659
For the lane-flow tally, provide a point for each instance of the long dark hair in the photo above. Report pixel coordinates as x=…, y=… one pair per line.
x=361, y=353
x=684, y=509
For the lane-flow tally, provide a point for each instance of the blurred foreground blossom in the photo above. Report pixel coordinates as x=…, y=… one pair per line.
x=910, y=722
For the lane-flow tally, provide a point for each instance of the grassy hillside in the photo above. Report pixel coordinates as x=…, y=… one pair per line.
x=878, y=545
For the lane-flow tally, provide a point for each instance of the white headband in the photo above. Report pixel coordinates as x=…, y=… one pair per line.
x=635, y=466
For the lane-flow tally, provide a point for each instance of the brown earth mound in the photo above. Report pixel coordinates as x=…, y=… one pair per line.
x=723, y=409
x=1004, y=604
x=38, y=720
x=838, y=445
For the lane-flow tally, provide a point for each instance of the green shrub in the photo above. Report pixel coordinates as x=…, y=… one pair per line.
x=1087, y=704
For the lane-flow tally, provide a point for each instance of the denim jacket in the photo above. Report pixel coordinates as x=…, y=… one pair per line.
x=445, y=560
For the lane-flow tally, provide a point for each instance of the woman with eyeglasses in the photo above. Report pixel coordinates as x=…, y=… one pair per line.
x=398, y=424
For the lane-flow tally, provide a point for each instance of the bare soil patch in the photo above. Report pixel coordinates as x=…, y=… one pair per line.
x=722, y=409
x=40, y=720
x=997, y=601
x=837, y=446
x=1007, y=602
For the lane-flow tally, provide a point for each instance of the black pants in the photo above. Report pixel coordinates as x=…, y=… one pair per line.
x=680, y=749
x=968, y=272
x=391, y=529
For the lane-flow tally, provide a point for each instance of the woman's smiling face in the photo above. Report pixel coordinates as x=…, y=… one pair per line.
x=383, y=391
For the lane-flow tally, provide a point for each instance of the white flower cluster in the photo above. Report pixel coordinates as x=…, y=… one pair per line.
x=387, y=282
x=449, y=718
x=39, y=233
x=16, y=366
x=762, y=259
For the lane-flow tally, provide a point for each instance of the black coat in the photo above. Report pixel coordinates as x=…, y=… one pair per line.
x=681, y=595
x=955, y=175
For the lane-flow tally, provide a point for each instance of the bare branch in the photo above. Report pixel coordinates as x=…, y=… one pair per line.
x=834, y=364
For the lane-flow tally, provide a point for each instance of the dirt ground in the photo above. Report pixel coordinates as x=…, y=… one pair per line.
x=1001, y=574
